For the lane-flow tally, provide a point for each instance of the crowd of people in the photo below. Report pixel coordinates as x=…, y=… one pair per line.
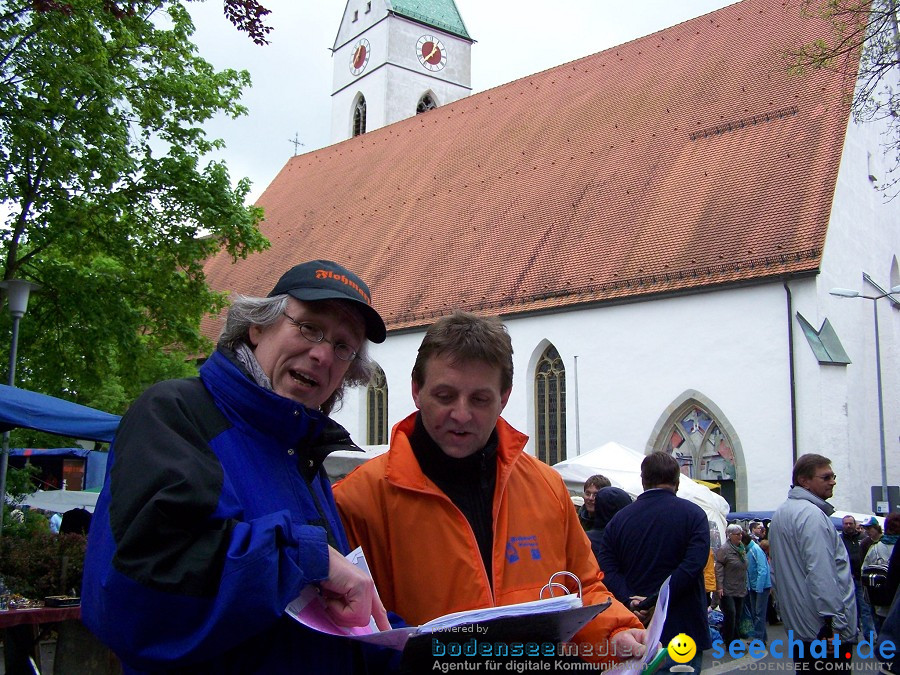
x=217, y=512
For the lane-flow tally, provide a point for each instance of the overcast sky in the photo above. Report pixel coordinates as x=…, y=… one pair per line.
x=292, y=76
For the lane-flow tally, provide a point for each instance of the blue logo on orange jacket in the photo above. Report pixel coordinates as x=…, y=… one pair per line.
x=516, y=547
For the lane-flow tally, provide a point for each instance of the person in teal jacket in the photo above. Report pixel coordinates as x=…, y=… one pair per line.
x=216, y=511
x=759, y=581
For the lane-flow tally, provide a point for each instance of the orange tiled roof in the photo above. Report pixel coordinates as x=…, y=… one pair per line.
x=688, y=158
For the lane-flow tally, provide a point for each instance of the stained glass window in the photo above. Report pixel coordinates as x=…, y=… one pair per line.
x=550, y=407
x=376, y=409
x=702, y=449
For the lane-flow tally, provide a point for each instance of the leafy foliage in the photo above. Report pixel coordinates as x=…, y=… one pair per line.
x=106, y=200
x=867, y=29
x=42, y=564
x=247, y=16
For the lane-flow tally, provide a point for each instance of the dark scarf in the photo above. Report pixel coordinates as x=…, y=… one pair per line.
x=468, y=482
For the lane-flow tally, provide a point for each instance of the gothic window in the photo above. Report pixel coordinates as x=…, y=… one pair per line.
x=550, y=407
x=376, y=409
x=359, y=116
x=702, y=449
x=426, y=103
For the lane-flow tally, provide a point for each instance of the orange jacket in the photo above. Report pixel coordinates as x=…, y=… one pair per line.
x=709, y=573
x=422, y=552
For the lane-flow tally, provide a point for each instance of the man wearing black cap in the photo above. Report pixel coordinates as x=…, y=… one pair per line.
x=216, y=511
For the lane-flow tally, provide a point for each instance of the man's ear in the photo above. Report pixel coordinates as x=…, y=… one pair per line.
x=415, y=393
x=504, y=398
x=254, y=333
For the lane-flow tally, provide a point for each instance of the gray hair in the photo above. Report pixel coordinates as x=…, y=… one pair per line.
x=731, y=529
x=249, y=311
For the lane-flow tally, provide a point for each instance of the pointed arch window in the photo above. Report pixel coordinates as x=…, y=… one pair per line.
x=701, y=447
x=376, y=409
x=550, y=407
x=426, y=103
x=359, y=116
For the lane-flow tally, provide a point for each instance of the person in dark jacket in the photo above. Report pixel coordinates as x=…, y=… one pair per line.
x=591, y=486
x=853, y=542
x=609, y=501
x=660, y=535
x=889, y=636
x=216, y=511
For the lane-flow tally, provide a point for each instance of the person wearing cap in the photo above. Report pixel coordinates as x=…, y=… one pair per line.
x=216, y=511
x=872, y=529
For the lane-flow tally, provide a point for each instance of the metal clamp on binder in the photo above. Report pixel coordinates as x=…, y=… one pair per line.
x=550, y=585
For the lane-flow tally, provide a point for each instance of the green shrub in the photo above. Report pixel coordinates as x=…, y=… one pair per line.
x=42, y=563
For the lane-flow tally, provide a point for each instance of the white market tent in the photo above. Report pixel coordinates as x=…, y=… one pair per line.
x=61, y=501
x=622, y=466
x=341, y=462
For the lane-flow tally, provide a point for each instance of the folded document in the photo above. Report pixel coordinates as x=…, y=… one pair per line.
x=552, y=619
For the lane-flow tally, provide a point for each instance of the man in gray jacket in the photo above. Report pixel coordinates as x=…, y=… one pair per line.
x=810, y=568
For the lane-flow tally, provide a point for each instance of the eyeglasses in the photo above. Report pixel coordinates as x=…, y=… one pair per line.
x=315, y=334
x=828, y=476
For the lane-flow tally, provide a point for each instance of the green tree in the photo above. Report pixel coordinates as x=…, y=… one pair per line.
x=867, y=30
x=106, y=200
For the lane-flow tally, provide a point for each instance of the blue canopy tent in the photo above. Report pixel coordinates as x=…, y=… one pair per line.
x=94, y=462
x=31, y=410
x=20, y=408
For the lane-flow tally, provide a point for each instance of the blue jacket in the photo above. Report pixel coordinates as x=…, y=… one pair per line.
x=659, y=535
x=215, y=513
x=758, y=577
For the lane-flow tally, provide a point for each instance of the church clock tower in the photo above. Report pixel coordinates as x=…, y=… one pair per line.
x=394, y=59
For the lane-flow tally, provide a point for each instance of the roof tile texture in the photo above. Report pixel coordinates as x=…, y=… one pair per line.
x=685, y=159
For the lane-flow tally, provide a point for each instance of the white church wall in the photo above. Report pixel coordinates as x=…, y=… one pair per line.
x=371, y=82
x=863, y=237
x=635, y=360
x=408, y=80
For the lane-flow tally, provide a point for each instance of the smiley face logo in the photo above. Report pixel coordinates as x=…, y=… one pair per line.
x=682, y=648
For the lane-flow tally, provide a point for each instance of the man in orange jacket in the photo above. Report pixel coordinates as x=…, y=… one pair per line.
x=456, y=516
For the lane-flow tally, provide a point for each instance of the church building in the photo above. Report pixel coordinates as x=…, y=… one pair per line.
x=396, y=58
x=660, y=225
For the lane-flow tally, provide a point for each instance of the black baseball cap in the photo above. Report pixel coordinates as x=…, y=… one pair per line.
x=326, y=280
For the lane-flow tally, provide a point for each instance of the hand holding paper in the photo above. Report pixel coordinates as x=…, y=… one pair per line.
x=349, y=594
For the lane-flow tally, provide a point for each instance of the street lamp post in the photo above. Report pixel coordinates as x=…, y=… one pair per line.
x=849, y=293
x=17, y=292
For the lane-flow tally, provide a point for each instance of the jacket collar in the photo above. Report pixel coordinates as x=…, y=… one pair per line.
x=797, y=492
x=403, y=469
x=290, y=423
x=656, y=493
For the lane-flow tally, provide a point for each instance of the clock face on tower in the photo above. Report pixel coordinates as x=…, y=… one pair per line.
x=359, y=57
x=431, y=52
